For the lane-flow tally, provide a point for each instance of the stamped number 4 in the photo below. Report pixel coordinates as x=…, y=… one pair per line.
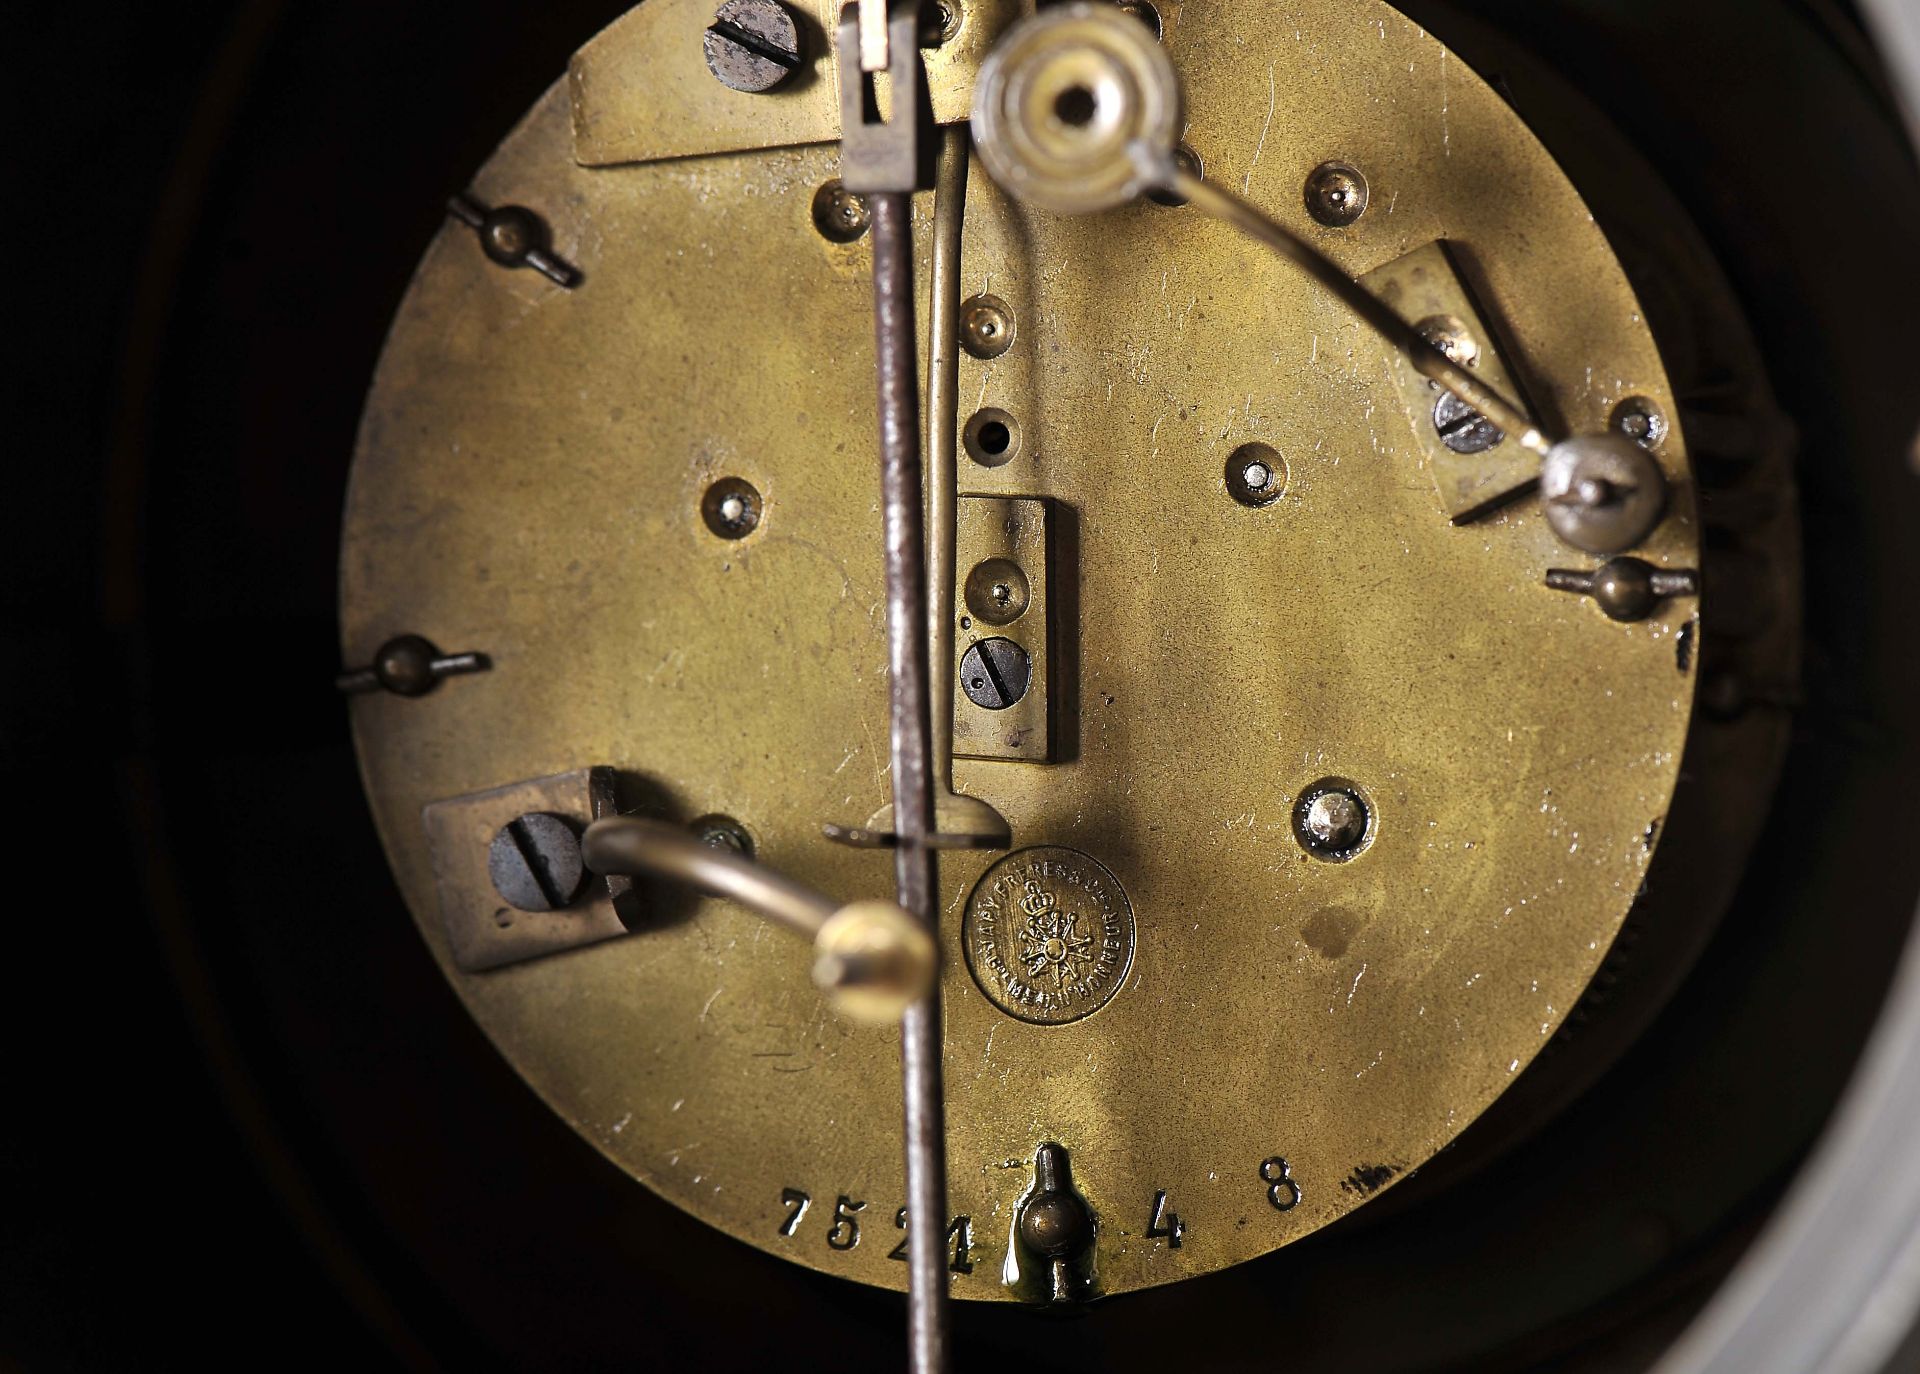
x=1164, y=1224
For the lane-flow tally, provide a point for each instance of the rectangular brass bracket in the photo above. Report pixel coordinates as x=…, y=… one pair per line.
x=1425, y=287
x=483, y=931
x=641, y=91
x=1014, y=529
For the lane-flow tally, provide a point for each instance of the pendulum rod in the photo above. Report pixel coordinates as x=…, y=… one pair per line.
x=914, y=856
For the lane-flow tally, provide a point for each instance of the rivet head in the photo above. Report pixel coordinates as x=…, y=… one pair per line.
x=724, y=832
x=998, y=591
x=1184, y=160
x=1451, y=336
x=986, y=327
x=1336, y=194
x=841, y=216
x=1641, y=421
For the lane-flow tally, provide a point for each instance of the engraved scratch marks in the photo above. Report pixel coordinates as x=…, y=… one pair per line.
x=1273, y=100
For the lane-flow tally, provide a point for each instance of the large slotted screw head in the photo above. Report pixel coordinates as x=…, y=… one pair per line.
x=1462, y=428
x=752, y=45
x=535, y=863
x=995, y=674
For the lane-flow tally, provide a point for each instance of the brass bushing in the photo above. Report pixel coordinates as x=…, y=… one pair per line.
x=1065, y=100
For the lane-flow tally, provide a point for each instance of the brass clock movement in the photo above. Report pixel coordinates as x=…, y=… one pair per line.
x=1216, y=713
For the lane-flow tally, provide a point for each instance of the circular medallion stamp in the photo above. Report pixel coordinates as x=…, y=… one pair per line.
x=1049, y=935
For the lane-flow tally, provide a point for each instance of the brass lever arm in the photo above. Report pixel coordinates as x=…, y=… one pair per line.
x=871, y=958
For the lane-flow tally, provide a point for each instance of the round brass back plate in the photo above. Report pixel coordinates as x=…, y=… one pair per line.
x=529, y=484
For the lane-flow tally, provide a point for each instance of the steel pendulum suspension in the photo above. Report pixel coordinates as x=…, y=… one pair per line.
x=883, y=160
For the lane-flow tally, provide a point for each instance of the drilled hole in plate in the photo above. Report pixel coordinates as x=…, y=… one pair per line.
x=992, y=438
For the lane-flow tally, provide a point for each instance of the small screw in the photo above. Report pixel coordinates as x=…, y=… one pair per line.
x=995, y=674
x=940, y=25
x=998, y=591
x=1336, y=194
x=1627, y=589
x=752, y=45
x=1144, y=12
x=409, y=666
x=1450, y=336
x=513, y=236
x=1641, y=421
x=1462, y=428
x=724, y=832
x=535, y=863
x=986, y=327
x=731, y=508
x=1331, y=820
x=841, y=216
x=1187, y=161
x=1256, y=475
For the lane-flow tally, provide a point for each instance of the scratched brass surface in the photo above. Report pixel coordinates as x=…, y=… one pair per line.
x=528, y=482
x=1016, y=531
x=641, y=89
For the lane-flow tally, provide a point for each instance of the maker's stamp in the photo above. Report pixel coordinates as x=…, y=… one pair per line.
x=1049, y=935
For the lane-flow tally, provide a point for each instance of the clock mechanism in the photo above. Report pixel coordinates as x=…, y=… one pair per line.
x=1221, y=721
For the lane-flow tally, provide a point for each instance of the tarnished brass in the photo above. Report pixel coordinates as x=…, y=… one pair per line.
x=1065, y=97
x=870, y=958
x=482, y=930
x=641, y=91
x=995, y=530
x=530, y=475
x=1425, y=288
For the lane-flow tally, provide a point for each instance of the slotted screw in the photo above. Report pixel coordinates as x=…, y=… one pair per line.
x=535, y=863
x=752, y=45
x=995, y=674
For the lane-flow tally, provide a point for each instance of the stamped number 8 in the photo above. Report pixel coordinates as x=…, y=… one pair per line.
x=1277, y=1174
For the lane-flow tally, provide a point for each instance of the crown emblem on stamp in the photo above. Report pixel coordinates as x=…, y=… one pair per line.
x=1049, y=935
